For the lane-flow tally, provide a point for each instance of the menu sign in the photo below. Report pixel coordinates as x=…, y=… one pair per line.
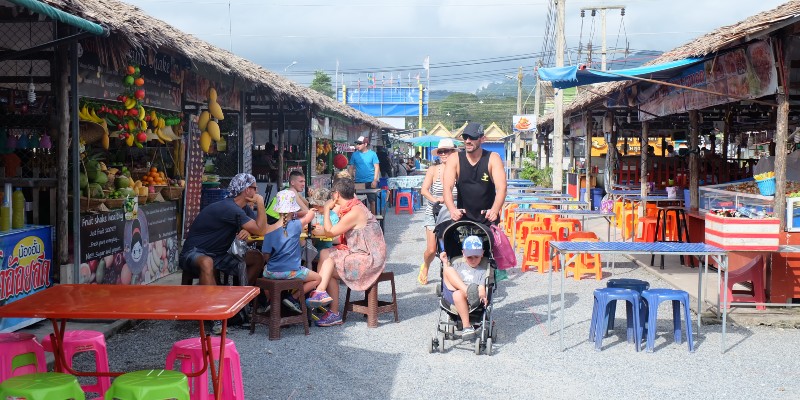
x=163, y=78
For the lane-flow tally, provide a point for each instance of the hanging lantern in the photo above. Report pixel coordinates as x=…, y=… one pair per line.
x=31, y=92
x=11, y=143
x=23, y=142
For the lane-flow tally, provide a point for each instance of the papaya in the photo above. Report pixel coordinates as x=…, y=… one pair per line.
x=202, y=123
x=213, y=130
x=212, y=95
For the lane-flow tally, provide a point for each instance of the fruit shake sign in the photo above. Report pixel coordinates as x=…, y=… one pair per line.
x=26, y=256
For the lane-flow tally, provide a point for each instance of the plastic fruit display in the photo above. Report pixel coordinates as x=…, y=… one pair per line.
x=340, y=161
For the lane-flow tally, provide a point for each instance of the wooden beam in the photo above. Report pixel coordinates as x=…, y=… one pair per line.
x=694, y=165
x=781, y=137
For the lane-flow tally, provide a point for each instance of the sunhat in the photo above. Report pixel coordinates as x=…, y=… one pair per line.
x=319, y=197
x=286, y=202
x=445, y=143
x=473, y=246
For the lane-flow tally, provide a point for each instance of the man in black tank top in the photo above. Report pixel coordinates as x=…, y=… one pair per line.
x=480, y=178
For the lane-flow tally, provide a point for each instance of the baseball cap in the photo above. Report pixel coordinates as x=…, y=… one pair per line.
x=360, y=140
x=473, y=246
x=474, y=130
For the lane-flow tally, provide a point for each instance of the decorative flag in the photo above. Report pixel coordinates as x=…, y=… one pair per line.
x=426, y=63
x=417, y=78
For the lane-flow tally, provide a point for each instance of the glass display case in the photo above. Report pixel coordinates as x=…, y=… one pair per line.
x=718, y=197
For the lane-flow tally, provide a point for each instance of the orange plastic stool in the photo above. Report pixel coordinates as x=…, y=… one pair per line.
x=525, y=228
x=547, y=220
x=20, y=354
x=80, y=341
x=648, y=229
x=581, y=235
x=537, y=251
x=409, y=206
x=585, y=264
x=564, y=227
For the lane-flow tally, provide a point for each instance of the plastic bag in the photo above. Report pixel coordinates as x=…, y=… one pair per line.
x=502, y=251
x=606, y=205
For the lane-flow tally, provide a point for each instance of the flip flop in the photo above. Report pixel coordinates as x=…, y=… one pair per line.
x=422, y=278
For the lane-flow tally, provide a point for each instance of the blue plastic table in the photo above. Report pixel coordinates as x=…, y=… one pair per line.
x=636, y=248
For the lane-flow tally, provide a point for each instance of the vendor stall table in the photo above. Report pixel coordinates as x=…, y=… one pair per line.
x=137, y=302
x=668, y=248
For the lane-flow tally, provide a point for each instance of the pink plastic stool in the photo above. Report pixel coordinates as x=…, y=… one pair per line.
x=80, y=341
x=409, y=203
x=190, y=354
x=20, y=354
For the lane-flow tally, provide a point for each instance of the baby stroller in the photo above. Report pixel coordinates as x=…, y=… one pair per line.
x=449, y=236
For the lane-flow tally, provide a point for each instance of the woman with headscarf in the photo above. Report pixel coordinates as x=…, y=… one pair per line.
x=213, y=230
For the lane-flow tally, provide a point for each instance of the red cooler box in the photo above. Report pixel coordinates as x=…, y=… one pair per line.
x=742, y=234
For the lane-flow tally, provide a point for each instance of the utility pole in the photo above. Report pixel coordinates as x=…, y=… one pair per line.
x=537, y=106
x=558, y=111
x=603, y=10
x=517, y=140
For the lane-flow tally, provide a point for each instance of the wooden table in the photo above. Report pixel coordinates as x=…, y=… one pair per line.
x=139, y=302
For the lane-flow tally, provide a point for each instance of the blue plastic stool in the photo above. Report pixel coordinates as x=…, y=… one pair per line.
x=381, y=201
x=626, y=283
x=654, y=297
x=602, y=298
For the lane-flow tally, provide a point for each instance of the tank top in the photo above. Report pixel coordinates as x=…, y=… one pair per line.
x=475, y=184
x=436, y=189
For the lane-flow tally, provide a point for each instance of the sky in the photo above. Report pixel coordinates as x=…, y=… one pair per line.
x=470, y=43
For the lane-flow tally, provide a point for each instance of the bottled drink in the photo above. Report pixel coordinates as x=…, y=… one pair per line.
x=17, y=209
x=5, y=217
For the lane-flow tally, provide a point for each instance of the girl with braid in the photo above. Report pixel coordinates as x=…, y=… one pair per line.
x=282, y=246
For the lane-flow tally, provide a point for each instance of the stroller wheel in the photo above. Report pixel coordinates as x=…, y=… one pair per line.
x=478, y=347
x=488, y=346
x=434, y=344
x=444, y=335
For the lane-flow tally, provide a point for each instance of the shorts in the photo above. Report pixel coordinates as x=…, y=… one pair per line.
x=301, y=274
x=223, y=262
x=429, y=222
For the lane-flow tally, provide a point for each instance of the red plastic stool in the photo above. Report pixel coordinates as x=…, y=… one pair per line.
x=20, y=354
x=648, y=229
x=398, y=203
x=80, y=341
x=752, y=272
x=189, y=353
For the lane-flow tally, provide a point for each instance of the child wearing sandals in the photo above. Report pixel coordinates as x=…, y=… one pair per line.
x=463, y=282
x=284, y=249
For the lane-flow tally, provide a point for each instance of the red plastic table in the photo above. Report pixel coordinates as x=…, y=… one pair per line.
x=151, y=302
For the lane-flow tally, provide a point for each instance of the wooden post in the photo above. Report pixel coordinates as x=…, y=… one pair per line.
x=694, y=167
x=643, y=166
x=62, y=175
x=726, y=142
x=587, y=146
x=611, y=151
x=781, y=136
x=281, y=145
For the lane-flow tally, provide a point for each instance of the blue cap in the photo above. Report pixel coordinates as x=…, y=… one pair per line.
x=473, y=246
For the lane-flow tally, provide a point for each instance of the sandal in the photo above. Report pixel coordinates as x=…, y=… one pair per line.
x=422, y=278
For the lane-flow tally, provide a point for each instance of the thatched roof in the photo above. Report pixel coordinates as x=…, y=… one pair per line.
x=712, y=42
x=142, y=31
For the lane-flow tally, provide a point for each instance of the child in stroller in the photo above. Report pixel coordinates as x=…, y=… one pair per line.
x=463, y=282
x=468, y=284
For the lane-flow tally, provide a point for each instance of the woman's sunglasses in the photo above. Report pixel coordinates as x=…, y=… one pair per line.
x=445, y=151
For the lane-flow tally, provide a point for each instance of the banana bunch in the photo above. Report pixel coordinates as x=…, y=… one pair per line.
x=765, y=175
x=157, y=124
x=86, y=114
x=323, y=149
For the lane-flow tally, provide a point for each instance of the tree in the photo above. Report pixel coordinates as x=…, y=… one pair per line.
x=322, y=84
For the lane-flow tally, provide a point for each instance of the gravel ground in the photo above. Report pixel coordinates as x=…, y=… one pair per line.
x=392, y=361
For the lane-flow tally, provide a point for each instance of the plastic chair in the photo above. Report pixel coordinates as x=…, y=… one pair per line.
x=564, y=227
x=585, y=263
x=399, y=206
x=647, y=233
x=42, y=386
x=524, y=228
x=654, y=297
x=190, y=355
x=537, y=251
x=371, y=306
x=752, y=272
x=80, y=341
x=274, y=320
x=20, y=354
x=600, y=314
x=149, y=384
x=627, y=283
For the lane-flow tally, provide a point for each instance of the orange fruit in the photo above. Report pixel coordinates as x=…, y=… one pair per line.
x=153, y=169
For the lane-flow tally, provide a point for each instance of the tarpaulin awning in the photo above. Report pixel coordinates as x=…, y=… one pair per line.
x=61, y=16
x=567, y=77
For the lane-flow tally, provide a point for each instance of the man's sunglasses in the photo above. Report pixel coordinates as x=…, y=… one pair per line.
x=465, y=137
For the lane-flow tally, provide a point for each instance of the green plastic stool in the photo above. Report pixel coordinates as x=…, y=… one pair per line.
x=152, y=384
x=42, y=386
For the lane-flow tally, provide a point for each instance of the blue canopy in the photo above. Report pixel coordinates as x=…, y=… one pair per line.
x=428, y=140
x=567, y=77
